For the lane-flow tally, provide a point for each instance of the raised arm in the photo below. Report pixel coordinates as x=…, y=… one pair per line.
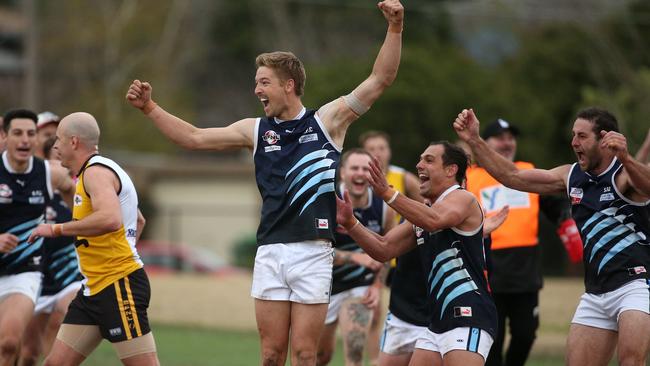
x=449, y=213
x=530, y=180
x=338, y=114
x=382, y=248
x=634, y=181
x=233, y=137
x=386, y=64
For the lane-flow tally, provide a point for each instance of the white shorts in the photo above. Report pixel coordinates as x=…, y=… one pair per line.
x=399, y=337
x=297, y=272
x=46, y=304
x=602, y=311
x=464, y=338
x=337, y=300
x=26, y=283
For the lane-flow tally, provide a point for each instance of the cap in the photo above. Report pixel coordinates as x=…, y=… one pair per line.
x=497, y=127
x=45, y=118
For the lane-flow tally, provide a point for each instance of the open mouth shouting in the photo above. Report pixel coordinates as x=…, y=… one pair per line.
x=424, y=178
x=265, y=102
x=24, y=151
x=359, y=184
x=582, y=159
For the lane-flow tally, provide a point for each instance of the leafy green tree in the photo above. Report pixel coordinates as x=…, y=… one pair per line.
x=630, y=103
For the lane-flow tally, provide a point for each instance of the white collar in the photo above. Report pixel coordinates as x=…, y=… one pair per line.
x=446, y=192
x=10, y=169
x=299, y=116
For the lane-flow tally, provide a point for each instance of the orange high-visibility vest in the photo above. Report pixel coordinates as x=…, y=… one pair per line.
x=520, y=228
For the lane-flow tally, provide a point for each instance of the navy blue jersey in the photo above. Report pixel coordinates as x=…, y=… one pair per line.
x=23, y=197
x=60, y=265
x=614, y=230
x=457, y=287
x=347, y=276
x=295, y=168
x=408, y=289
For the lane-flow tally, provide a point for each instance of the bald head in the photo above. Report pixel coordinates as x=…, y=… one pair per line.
x=83, y=125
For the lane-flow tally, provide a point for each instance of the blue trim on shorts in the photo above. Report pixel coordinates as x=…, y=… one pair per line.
x=382, y=341
x=473, y=339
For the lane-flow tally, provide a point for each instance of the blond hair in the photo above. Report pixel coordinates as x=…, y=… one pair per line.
x=287, y=66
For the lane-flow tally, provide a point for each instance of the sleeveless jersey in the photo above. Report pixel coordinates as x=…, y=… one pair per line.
x=23, y=197
x=408, y=289
x=295, y=168
x=107, y=258
x=60, y=265
x=614, y=230
x=347, y=276
x=456, y=284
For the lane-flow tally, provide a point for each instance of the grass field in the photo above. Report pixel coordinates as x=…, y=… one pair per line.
x=182, y=346
x=210, y=320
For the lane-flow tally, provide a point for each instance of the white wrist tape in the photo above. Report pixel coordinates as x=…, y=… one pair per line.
x=355, y=104
x=393, y=198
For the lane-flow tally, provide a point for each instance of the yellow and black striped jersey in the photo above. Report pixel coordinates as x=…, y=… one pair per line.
x=107, y=258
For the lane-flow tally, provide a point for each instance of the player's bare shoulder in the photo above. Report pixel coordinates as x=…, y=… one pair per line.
x=336, y=116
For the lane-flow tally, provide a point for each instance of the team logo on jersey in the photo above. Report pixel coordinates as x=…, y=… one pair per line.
x=308, y=138
x=606, y=197
x=271, y=137
x=37, y=197
x=5, y=191
x=576, y=195
x=322, y=224
x=5, y=194
x=36, y=260
x=77, y=200
x=419, y=235
x=462, y=311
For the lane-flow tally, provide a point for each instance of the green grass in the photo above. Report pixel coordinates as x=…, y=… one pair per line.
x=184, y=346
